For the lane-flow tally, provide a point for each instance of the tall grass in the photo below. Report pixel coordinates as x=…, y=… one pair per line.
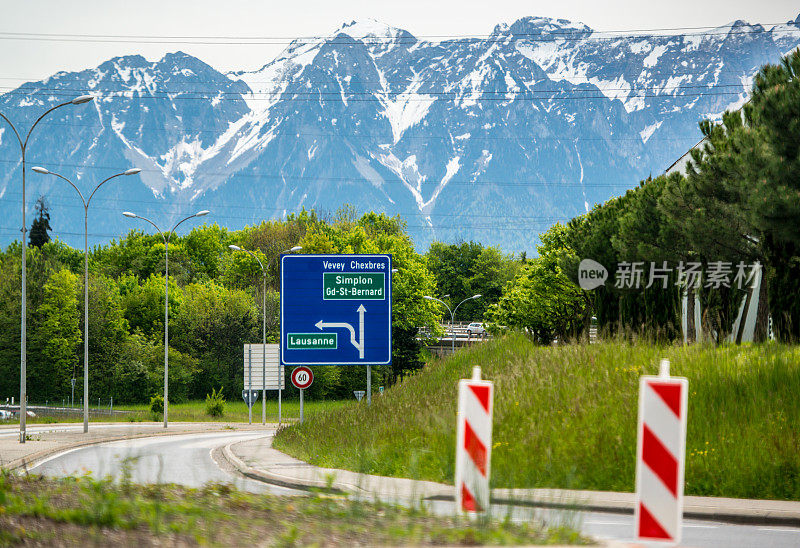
x=195, y=411
x=565, y=417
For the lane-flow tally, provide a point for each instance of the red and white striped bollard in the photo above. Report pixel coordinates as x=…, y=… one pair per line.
x=661, y=456
x=474, y=443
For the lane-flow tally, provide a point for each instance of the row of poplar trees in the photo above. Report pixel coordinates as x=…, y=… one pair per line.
x=739, y=201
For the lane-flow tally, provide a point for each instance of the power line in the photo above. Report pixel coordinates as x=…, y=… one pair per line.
x=282, y=177
x=338, y=135
x=565, y=95
x=214, y=93
x=570, y=35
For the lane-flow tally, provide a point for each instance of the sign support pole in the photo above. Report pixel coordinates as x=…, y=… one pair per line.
x=369, y=385
x=249, y=386
x=264, y=352
x=301, y=405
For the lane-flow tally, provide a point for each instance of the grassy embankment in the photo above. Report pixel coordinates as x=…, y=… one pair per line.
x=565, y=417
x=195, y=411
x=85, y=511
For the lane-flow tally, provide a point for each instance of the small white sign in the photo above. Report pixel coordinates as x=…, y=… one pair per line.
x=260, y=379
x=359, y=394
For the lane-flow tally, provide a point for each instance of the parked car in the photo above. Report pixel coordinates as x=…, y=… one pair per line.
x=5, y=415
x=476, y=328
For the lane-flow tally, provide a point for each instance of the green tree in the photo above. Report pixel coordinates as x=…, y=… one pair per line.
x=541, y=300
x=466, y=269
x=143, y=303
x=57, y=338
x=108, y=340
x=212, y=324
x=40, y=228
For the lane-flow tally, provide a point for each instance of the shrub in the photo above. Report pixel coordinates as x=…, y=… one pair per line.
x=157, y=405
x=215, y=403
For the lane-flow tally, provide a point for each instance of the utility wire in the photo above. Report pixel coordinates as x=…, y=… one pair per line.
x=570, y=35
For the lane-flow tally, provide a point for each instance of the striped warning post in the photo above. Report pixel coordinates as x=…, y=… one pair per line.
x=660, y=456
x=474, y=443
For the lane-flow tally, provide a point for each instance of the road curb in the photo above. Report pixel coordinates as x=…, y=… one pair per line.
x=272, y=478
x=739, y=511
x=32, y=459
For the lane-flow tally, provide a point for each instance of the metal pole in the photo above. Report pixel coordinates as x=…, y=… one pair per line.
x=23, y=355
x=166, y=330
x=249, y=385
x=301, y=406
x=85, y=317
x=264, y=354
x=166, y=239
x=369, y=385
x=453, y=330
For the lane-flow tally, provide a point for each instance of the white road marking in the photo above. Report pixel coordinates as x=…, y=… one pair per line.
x=139, y=443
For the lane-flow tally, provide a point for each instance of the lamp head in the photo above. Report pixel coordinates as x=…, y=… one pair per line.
x=38, y=169
x=235, y=247
x=395, y=270
x=132, y=171
x=427, y=297
x=129, y=214
x=202, y=213
x=82, y=99
x=478, y=296
x=296, y=248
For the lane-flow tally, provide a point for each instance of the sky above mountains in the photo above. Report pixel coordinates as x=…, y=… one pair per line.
x=43, y=37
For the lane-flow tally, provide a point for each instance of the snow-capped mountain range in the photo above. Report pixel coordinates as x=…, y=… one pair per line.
x=491, y=139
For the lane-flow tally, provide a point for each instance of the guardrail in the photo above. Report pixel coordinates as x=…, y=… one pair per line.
x=61, y=411
x=460, y=332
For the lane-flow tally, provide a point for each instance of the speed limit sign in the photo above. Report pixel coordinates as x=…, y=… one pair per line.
x=302, y=377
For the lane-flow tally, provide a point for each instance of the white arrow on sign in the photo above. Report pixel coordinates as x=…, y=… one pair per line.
x=359, y=344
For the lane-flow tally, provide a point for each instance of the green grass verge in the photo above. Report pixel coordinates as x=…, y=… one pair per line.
x=195, y=411
x=565, y=417
x=84, y=511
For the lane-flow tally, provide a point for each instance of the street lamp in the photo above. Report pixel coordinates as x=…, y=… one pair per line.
x=452, y=314
x=86, y=203
x=23, y=354
x=166, y=237
x=264, y=333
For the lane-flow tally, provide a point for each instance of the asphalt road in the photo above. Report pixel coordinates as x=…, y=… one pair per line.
x=187, y=459
x=184, y=459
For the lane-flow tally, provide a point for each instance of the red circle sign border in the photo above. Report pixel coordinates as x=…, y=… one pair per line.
x=297, y=370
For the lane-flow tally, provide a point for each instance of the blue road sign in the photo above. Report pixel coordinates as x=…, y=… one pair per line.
x=336, y=309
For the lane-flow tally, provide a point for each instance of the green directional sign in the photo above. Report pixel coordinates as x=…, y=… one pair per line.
x=311, y=341
x=353, y=286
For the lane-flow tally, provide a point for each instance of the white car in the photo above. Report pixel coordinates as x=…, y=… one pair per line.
x=475, y=328
x=5, y=415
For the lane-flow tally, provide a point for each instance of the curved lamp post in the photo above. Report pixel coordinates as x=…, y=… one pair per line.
x=86, y=203
x=23, y=354
x=166, y=237
x=264, y=331
x=452, y=314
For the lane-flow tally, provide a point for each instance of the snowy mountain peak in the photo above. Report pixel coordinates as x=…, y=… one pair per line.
x=373, y=30
x=536, y=28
